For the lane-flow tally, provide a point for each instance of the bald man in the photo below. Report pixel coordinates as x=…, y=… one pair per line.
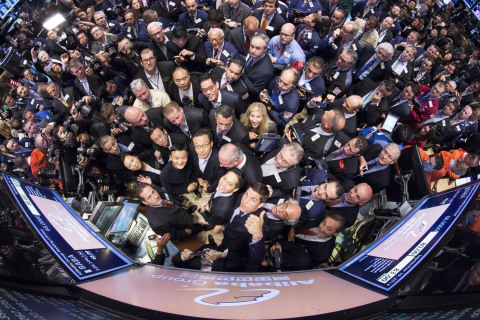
x=285, y=50
x=349, y=203
x=218, y=50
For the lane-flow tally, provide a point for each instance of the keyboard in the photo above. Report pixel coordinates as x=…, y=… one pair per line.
x=135, y=237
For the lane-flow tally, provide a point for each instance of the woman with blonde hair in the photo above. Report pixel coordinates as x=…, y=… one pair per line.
x=257, y=122
x=5, y=129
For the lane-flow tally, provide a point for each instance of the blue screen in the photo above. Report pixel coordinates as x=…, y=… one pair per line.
x=6, y=7
x=125, y=217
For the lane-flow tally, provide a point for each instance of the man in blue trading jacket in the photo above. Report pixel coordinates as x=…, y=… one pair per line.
x=311, y=79
x=308, y=7
x=284, y=96
x=193, y=18
x=135, y=29
x=307, y=36
x=284, y=49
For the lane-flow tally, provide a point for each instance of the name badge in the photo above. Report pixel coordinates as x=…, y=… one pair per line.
x=382, y=65
x=430, y=104
x=335, y=76
x=269, y=28
x=129, y=35
x=247, y=57
x=371, y=10
x=405, y=69
x=341, y=164
x=198, y=20
x=307, y=85
x=66, y=97
x=416, y=69
x=111, y=24
x=315, y=137
x=277, y=177
x=354, y=47
x=309, y=35
x=287, y=54
x=280, y=201
x=337, y=144
x=225, y=53
x=131, y=146
x=310, y=4
x=280, y=100
x=443, y=123
x=279, y=11
x=27, y=144
x=129, y=29
x=172, y=3
x=227, y=138
x=229, y=87
x=309, y=205
x=457, y=128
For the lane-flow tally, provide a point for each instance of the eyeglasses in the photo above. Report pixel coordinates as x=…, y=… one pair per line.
x=202, y=147
x=151, y=59
x=209, y=89
x=215, y=40
x=286, y=35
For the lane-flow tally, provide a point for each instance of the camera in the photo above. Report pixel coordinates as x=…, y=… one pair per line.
x=46, y=173
x=54, y=151
x=119, y=123
x=84, y=109
x=83, y=152
x=104, y=181
x=304, y=90
x=277, y=255
x=94, y=64
x=70, y=125
x=269, y=100
x=37, y=45
x=187, y=102
x=112, y=49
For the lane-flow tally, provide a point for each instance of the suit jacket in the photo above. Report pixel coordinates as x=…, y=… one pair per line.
x=310, y=41
x=273, y=28
x=94, y=84
x=359, y=9
x=175, y=8
x=176, y=138
x=329, y=51
x=176, y=181
x=229, y=52
x=285, y=107
x=196, y=119
x=406, y=73
x=165, y=68
x=237, y=133
x=400, y=110
x=142, y=33
x=379, y=73
x=335, y=80
x=258, y=75
x=212, y=173
x=426, y=79
x=229, y=98
x=186, y=21
x=350, y=127
x=72, y=94
x=194, y=44
x=240, y=14
x=252, y=172
x=236, y=37
x=221, y=209
x=53, y=49
x=159, y=100
x=316, y=85
x=175, y=95
x=238, y=86
x=156, y=51
x=171, y=220
x=388, y=36
x=378, y=180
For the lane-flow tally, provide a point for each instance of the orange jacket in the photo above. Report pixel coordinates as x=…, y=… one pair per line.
x=447, y=158
x=38, y=160
x=458, y=155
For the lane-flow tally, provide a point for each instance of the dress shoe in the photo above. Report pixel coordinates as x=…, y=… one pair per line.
x=197, y=193
x=192, y=209
x=211, y=241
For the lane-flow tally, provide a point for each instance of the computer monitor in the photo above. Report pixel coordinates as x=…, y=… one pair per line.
x=411, y=163
x=392, y=260
x=125, y=218
x=104, y=214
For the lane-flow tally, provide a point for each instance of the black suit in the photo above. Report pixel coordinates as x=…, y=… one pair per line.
x=221, y=209
x=171, y=220
x=176, y=181
x=196, y=119
x=258, y=75
x=53, y=49
x=276, y=23
x=405, y=75
x=194, y=44
x=71, y=95
x=380, y=72
x=95, y=85
x=238, y=86
x=237, y=134
x=175, y=94
x=176, y=138
x=175, y=8
x=388, y=36
x=426, y=79
x=252, y=172
x=348, y=213
x=229, y=98
x=165, y=68
x=401, y=110
x=157, y=52
x=378, y=180
x=212, y=173
x=335, y=80
x=236, y=37
x=350, y=127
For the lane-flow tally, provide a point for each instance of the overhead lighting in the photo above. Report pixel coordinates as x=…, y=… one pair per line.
x=53, y=21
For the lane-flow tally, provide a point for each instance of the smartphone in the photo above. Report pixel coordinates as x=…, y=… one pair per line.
x=390, y=122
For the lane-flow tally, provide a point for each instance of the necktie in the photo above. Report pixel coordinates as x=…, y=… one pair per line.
x=165, y=7
x=301, y=35
x=340, y=50
x=249, y=63
x=215, y=53
x=366, y=11
x=247, y=44
x=365, y=68
x=439, y=75
x=224, y=85
x=281, y=52
x=425, y=98
x=232, y=12
x=166, y=203
x=219, y=138
x=395, y=101
x=264, y=24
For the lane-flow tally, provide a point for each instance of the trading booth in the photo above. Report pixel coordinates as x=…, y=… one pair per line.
x=100, y=261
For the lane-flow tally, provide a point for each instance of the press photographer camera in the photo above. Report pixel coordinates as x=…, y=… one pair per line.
x=47, y=173
x=85, y=152
x=187, y=102
x=70, y=125
x=119, y=123
x=82, y=108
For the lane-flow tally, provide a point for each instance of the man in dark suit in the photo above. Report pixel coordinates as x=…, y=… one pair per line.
x=398, y=101
x=212, y=97
x=193, y=18
x=349, y=106
x=376, y=171
x=242, y=37
x=187, y=51
x=163, y=142
x=338, y=41
x=329, y=6
x=156, y=75
x=372, y=62
x=184, y=89
x=365, y=9
x=280, y=168
x=421, y=72
x=159, y=41
x=163, y=216
x=135, y=29
x=349, y=203
x=313, y=243
x=270, y=21
x=280, y=215
x=231, y=156
x=384, y=32
x=219, y=52
x=235, y=11
x=259, y=67
x=229, y=78
x=169, y=10
x=307, y=36
x=337, y=73
x=63, y=98
x=186, y=121
x=205, y=160
x=312, y=80
x=226, y=128
x=88, y=86
x=400, y=66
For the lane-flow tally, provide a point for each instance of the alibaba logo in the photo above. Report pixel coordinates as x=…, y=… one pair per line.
x=225, y=298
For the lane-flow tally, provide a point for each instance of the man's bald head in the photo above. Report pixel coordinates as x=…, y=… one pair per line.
x=136, y=117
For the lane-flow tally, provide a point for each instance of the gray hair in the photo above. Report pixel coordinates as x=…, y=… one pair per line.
x=104, y=139
x=232, y=150
x=153, y=25
x=353, y=25
x=296, y=148
x=137, y=84
x=387, y=47
x=98, y=13
x=395, y=147
x=262, y=36
x=352, y=54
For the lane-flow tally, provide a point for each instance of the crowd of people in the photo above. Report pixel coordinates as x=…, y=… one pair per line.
x=176, y=96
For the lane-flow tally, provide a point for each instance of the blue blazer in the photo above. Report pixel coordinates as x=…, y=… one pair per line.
x=281, y=9
x=316, y=85
x=307, y=43
x=360, y=7
x=143, y=35
x=312, y=6
x=286, y=108
x=229, y=52
x=186, y=21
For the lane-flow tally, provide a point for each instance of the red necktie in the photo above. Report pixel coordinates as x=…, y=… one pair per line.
x=224, y=85
x=247, y=44
x=281, y=52
x=302, y=34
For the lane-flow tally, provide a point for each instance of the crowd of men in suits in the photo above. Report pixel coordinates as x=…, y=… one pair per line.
x=158, y=92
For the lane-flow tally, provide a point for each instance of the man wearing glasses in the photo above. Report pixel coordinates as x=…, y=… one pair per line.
x=155, y=74
x=218, y=51
x=213, y=97
x=135, y=29
x=285, y=50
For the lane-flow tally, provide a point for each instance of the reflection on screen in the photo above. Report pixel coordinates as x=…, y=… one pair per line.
x=106, y=217
x=125, y=217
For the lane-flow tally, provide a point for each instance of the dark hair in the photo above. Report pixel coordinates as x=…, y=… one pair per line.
x=414, y=87
x=107, y=110
x=439, y=162
x=239, y=174
x=337, y=217
x=317, y=62
x=389, y=86
x=338, y=189
x=361, y=143
x=206, y=77
x=202, y=132
x=140, y=187
x=178, y=147
x=238, y=62
x=225, y=111
x=401, y=133
x=215, y=15
x=179, y=32
x=272, y=1
x=261, y=189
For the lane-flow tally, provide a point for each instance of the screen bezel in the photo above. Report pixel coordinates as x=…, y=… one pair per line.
x=393, y=117
x=137, y=202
